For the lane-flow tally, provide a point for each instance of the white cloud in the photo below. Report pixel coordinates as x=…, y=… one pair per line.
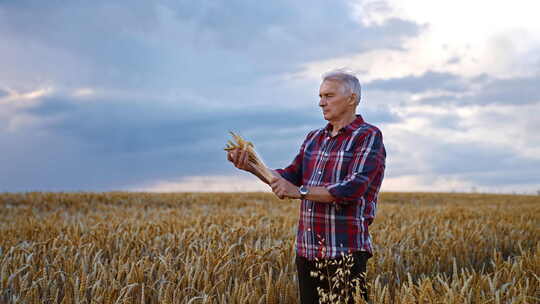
x=206, y=184
x=464, y=20
x=84, y=92
x=14, y=101
x=446, y=148
x=430, y=183
x=15, y=97
x=467, y=38
x=512, y=127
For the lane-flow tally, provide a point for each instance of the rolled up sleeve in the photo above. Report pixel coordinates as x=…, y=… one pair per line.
x=293, y=173
x=367, y=164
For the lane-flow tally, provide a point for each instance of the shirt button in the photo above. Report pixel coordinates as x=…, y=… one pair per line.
x=325, y=154
x=309, y=229
x=320, y=172
x=309, y=210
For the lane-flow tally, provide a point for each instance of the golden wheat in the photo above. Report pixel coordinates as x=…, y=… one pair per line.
x=254, y=160
x=239, y=248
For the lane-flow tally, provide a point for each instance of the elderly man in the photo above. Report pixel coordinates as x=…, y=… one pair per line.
x=337, y=175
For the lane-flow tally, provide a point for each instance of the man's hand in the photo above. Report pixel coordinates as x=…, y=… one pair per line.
x=282, y=188
x=239, y=158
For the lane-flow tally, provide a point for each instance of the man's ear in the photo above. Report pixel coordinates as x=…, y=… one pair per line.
x=353, y=99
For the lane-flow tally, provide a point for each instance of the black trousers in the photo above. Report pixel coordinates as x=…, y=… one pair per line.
x=308, y=284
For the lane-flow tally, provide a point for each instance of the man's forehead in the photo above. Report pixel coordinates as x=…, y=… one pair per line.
x=330, y=84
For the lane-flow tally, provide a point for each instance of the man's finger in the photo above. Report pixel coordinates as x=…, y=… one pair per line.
x=244, y=160
x=235, y=157
x=281, y=193
x=277, y=194
x=238, y=158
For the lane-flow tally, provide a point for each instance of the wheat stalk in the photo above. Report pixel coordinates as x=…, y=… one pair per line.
x=253, y=158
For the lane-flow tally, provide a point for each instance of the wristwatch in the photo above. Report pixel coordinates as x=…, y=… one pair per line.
x=303, y=191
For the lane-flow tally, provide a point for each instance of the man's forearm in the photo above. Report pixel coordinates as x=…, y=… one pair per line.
x=316, y=194
x=285, y=189
x=261, y=177
x=320, y=194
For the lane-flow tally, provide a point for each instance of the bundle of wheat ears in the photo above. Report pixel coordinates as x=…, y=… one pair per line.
x=253, y=159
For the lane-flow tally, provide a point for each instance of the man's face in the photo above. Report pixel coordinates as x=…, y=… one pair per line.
x=335, y=102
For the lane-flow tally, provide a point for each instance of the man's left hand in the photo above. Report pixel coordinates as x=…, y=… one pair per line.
x=282, y=188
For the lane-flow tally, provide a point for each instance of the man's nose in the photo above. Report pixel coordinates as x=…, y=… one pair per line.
x=322, y=102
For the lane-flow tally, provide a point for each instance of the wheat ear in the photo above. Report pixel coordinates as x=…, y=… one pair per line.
x=253, y=158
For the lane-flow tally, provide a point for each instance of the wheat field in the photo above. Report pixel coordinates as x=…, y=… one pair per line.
x=122, y=247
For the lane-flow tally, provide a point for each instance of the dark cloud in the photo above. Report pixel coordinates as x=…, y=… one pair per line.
x=180, y=73
x=520, y=90
x=138, y=126
x=415, y=84
x=111, y=144
x=476, y=163
x=510, y=91
x=481, y=89
x=164, y=44
x=466, y=158
x=485, y=165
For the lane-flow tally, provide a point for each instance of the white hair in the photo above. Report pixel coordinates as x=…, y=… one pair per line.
x=348, y=80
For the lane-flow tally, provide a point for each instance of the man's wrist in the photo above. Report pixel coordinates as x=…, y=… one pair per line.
x=297, y=194
x=303, y=192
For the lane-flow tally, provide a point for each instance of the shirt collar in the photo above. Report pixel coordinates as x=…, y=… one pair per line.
x=355, y=124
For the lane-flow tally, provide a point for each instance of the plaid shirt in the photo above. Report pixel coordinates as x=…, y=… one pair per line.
x=351, y=166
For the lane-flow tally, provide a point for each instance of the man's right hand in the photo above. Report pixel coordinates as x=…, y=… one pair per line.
x=239, y=158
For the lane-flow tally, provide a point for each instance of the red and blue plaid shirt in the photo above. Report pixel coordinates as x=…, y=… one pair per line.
x=351, y=166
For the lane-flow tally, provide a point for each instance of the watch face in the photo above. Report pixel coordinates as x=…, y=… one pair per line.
x=303, y=190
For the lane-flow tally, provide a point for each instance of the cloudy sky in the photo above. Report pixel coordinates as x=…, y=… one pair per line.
x=139, y=95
